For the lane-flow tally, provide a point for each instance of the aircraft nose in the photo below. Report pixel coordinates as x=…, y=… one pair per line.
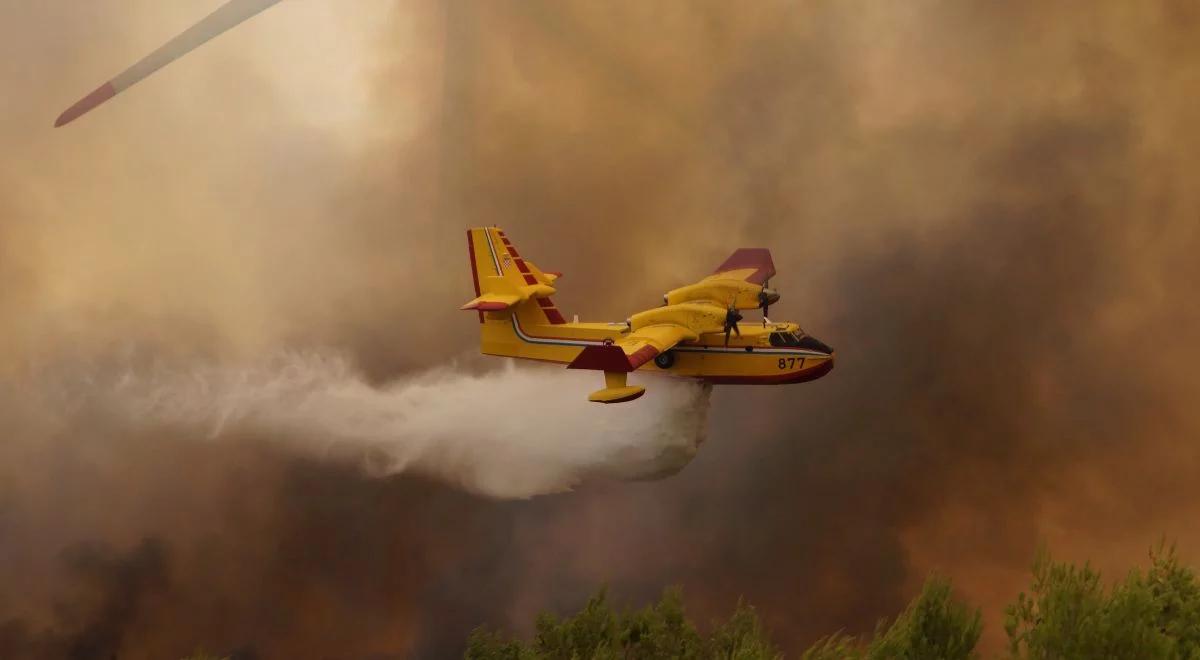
x=771, y=296
x=814, y=344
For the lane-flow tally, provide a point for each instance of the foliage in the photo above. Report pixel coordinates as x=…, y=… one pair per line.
x=836, y=647
x=1070, y=614
x=598, y=632
x=741, y=638
x=934, y=625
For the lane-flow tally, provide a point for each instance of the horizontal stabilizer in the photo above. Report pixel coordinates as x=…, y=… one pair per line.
x=493, y=302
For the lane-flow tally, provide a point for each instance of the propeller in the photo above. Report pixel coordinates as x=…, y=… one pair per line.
x=731, y=323
x=766, y=296
x=764, y=301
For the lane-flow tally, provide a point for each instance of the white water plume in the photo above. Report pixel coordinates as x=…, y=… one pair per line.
x=509, y=433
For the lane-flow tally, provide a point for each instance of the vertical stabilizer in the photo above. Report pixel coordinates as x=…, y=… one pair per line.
x=506, y=283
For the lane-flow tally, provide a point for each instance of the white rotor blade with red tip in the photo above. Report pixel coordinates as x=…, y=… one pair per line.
x=225, y=17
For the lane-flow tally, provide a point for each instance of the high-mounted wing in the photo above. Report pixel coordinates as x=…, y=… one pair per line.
x=225, y=17
x=740, y=282
x=633, y=350
x=753, y=265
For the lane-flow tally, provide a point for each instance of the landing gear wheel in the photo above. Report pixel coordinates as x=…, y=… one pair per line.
x=665, y=360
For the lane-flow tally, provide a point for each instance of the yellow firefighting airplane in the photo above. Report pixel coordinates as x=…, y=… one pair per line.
x=689, y=336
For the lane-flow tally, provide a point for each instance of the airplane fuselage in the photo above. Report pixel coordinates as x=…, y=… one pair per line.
x=750, y=358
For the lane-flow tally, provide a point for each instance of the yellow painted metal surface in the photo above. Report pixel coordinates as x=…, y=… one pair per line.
x=686, y=335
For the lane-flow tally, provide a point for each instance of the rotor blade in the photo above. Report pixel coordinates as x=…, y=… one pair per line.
x=225, y=17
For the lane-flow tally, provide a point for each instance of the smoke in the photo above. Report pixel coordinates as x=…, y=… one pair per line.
x=509, y=433
x=988, y=209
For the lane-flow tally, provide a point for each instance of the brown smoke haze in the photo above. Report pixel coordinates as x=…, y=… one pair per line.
x=989, y=209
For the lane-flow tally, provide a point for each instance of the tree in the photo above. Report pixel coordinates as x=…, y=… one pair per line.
x=1069, y=613
x=934, y=625
x=598, y=632
x=742, y=637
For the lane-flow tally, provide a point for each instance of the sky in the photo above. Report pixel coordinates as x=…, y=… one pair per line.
x=988, y=209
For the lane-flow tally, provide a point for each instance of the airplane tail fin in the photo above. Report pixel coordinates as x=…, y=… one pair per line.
x=505, y=282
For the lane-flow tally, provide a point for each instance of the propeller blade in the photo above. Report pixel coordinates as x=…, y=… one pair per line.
x=225, y=17
x=765, y=297
x=727, y=328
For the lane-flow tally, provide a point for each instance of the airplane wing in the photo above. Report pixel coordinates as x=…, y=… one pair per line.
x=753, y=265
x=225, y=17
x=633, y=350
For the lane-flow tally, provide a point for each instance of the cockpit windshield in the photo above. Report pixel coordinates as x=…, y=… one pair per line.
x=800, y=340
x=784, y=339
